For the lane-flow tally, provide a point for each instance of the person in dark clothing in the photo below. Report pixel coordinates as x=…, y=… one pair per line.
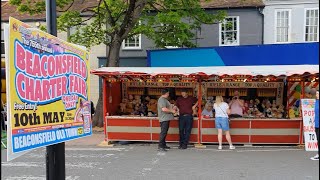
x=92, y=109
x=185, y=104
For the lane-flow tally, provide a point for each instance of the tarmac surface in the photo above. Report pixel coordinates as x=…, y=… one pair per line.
x=85, y=160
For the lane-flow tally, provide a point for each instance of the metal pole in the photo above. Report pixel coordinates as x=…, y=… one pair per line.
x=55, y=154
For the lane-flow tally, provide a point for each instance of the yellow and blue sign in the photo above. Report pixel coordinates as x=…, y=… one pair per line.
x=47, y=89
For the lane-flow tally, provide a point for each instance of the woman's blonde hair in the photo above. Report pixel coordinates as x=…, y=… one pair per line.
x=219, y=99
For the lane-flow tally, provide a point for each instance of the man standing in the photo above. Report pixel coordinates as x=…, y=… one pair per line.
x=165, y=114
x=185, y=104
x=236, y=106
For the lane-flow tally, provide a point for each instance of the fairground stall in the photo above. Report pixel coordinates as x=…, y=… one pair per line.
x=130, y=101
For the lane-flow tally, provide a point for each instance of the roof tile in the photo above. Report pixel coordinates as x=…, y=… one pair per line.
x=80, y=5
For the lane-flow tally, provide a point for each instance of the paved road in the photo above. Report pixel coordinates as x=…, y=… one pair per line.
x=142, y=161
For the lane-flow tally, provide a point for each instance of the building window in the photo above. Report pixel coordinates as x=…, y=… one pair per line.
x=282, y=26
x=229, y=31
x=133, y=42
x=312, y=25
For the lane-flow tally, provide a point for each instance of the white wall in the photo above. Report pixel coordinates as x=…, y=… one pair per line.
x=297, y=8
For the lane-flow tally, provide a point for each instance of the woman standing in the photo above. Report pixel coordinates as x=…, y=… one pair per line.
x=222, y=122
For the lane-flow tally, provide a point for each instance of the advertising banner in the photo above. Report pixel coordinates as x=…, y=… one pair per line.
x=310, y=137
x=47, y=89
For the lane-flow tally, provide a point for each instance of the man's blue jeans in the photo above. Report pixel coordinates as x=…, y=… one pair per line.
x=185, y=127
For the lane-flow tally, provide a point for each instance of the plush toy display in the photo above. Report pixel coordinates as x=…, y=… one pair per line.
x=123, y=107
x=245, y=108
x=152, y=106
x=274, y=109
x=130, y=97
x=136, y=110
x=256, y=111
x=129, y=107
x=280, y=111
x=292, y=113
x=251, y=108
x=268, y=110
x=137, y=98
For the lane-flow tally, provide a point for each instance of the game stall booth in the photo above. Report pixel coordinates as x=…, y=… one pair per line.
x=130, y=101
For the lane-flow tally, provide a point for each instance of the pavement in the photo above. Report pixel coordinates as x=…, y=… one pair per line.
x=93, y=140
x=144, y=162
x=141, y=161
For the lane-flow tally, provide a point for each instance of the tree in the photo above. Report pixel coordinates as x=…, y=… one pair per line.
x=166, y=22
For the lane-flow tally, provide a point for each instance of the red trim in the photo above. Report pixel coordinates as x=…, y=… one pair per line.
x=291, y=93
x=234, y=124
x=129, y=136
x=294, y=139
x=173, y=137
x=234, y=138
x=173, y=123
x=275, y=125
x=129, y=122
x=301, y=133
x=104, y=104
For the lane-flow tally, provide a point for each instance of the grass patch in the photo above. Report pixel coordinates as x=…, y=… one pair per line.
x=3, y=139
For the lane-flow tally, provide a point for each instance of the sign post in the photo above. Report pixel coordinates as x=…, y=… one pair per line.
x=55, y=154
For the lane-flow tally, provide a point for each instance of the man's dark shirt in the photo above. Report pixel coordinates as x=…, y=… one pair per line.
x=185, y=104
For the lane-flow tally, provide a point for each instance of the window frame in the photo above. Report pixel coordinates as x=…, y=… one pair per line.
x=124, y=47
x=289, y=25
x=238, y=32
x=305, y=24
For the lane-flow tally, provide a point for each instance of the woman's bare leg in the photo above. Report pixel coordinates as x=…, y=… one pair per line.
x=228, y=137
x=220, y=137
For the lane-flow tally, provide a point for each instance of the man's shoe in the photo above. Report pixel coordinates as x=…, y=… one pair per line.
x=184, y=147
x=167, y=147
x=315, y=158
x=180, y=147
x=162, y=149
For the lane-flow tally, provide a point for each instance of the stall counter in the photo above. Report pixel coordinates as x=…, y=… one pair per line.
x=243, y=130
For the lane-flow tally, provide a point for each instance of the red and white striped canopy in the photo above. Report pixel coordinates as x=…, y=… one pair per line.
x=277, y=70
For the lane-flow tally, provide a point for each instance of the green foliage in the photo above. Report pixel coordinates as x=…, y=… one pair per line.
x=3, y=139
x=166, y=22
x=68, y=19
x=35, y=7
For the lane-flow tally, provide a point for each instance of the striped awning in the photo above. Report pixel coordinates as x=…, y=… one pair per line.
x=277, y=70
